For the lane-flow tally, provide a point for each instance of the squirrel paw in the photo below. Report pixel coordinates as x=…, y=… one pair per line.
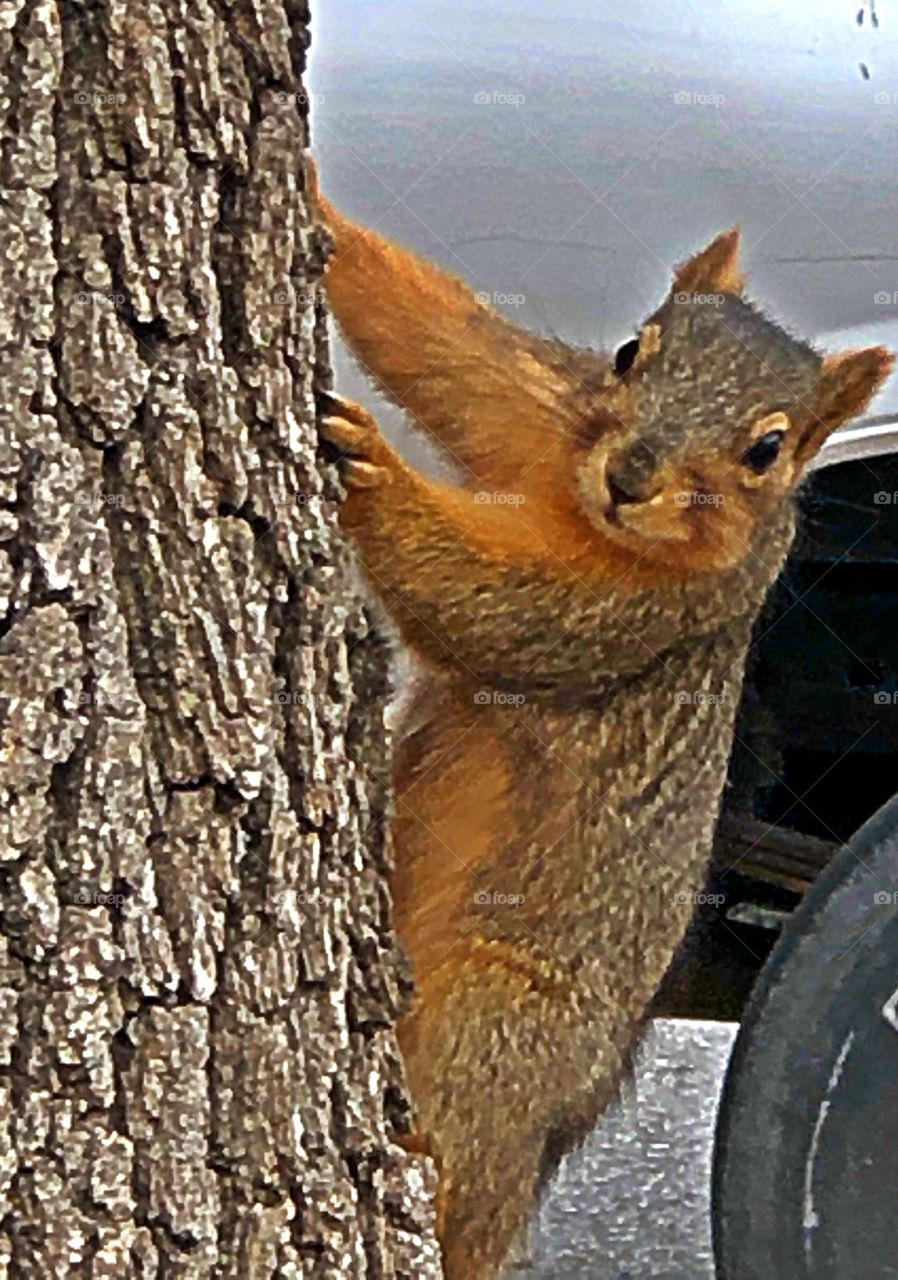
x=367, y=460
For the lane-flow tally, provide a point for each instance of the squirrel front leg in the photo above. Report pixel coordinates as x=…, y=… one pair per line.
x=496, y=397
x=448, y=567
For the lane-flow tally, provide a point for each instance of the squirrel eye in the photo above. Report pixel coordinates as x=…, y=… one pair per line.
x=764, y=452
x=624, y=357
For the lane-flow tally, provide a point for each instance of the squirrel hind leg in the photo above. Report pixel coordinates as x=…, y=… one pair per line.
x=482, y=1221
x=470, y=1048
x=487, y=1199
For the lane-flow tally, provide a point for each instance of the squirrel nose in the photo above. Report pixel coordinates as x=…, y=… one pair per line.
x=631, y=476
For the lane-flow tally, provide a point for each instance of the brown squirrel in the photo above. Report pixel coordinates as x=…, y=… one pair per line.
x=584, y=605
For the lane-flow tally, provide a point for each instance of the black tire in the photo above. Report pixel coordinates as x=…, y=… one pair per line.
x=805, y=1183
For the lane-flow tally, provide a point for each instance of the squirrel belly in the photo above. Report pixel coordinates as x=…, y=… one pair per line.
x=546, y=866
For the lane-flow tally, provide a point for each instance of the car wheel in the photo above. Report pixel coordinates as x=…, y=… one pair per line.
x=806, y=1160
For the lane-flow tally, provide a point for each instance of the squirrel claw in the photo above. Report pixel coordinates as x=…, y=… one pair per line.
x=351, y=410
x=367, y=460
x=363, y=475
x=347, y=435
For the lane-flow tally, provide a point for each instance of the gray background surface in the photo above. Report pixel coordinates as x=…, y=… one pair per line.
x=615, y=140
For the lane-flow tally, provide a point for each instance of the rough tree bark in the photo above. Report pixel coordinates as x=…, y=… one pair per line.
x=198, y=976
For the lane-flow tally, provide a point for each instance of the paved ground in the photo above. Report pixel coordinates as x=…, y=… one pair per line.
x=632, y=1204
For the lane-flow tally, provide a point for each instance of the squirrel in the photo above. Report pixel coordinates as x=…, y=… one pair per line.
x=582, y=604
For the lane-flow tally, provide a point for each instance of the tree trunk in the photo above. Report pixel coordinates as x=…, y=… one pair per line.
x=199, y=977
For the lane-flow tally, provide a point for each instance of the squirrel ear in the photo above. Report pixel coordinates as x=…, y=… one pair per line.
x=714, y=269
x=848, y=381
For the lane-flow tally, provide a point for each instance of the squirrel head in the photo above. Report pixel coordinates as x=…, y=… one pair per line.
x=710, y=416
